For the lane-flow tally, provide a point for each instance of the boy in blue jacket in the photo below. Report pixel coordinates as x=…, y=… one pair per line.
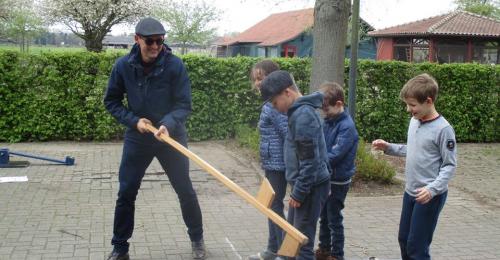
x=273, y=127
x=341, y=144
x=305, y=154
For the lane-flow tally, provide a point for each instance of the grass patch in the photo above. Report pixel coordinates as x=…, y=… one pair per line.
x=55, y=49
x=248, y=137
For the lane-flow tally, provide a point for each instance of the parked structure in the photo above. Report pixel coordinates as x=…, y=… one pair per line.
x=124, y=41
x=287, y=34
x=454, y=37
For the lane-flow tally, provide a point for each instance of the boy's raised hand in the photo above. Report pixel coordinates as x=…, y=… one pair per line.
x=380, y=144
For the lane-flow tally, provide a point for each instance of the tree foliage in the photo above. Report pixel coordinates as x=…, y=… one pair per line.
x=490, y=8
x=188, y=22
x=91, y=20
x=21, y=23
x=4, y=7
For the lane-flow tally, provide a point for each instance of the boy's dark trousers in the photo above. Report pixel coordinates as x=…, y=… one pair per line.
x=278, y=182
x=417, y=225
x=305, y=217
x=331, y=228
x=136, y=158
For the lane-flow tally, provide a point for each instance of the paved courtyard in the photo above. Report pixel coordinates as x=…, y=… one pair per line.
x=66, y=212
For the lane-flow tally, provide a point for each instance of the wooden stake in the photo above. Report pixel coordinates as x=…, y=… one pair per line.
x=295, y=237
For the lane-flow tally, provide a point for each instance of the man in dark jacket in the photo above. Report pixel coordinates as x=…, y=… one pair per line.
x=158, y=93
x=341, y=144
x=305, y=154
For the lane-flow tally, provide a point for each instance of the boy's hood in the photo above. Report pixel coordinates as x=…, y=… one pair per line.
x=315, y=100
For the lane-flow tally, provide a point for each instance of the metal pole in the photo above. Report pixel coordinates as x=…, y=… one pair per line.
x=67, y=161
x=353, y=63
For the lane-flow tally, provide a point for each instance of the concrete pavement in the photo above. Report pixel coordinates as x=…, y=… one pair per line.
x=66, y=212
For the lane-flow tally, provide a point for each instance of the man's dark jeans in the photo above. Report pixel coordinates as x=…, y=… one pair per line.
x=135, y=160
x=331, y=227
x=278, y=182
x=305, y=217
x=417, y=225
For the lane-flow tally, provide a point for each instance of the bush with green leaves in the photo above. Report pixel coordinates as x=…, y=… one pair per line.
x=368, y=166
x=58, y=96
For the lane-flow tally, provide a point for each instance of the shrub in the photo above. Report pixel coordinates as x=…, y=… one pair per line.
x=58, y=96
x=369, y=167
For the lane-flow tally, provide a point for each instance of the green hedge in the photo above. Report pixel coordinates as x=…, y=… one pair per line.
x=58, y=96
x=468, y=99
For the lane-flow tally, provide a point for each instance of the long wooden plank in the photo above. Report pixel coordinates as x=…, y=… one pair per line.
x=287, y=227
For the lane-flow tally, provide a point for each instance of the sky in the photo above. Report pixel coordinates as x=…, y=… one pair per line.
x=239, y=15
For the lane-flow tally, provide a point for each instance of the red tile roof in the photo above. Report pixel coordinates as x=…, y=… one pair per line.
x=276, y=28
x=457, y=23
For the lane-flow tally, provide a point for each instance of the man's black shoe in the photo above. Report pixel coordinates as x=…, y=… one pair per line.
x=198, y=249
x=117, y=256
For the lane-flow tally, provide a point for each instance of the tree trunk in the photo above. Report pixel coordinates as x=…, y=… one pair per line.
x=183, y=48
x=330, y=33
x=93, y=45
x=23, y=42
x=93, y=41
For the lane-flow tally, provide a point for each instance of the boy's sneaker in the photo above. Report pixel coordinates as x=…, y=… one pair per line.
x=264, y=255
x=322, y=254
x=118, y=256
x=198, y=248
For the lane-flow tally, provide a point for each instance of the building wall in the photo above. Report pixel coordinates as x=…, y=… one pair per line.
x=384, y=49
x=304, y=47
x=304, y=44
x=367, y=49
x=267, y=51
x=244, y=49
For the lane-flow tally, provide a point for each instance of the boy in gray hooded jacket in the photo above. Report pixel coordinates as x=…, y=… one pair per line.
x=306, y=159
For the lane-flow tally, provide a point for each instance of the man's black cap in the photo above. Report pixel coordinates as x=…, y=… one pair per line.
x=274, y=83
x=149, y=26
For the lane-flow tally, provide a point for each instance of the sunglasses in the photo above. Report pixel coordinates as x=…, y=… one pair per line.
x=149, y=41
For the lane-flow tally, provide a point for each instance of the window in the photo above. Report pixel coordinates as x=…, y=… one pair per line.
x=288, y=51
x=414, y=50
x=272, y=51
x=486, y=52
x=449, y=51
x=243, y=51
x=420, y=54
x=261, y=52
x=402, y=53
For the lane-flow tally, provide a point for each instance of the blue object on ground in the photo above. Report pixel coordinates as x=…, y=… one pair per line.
x=6, y=163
